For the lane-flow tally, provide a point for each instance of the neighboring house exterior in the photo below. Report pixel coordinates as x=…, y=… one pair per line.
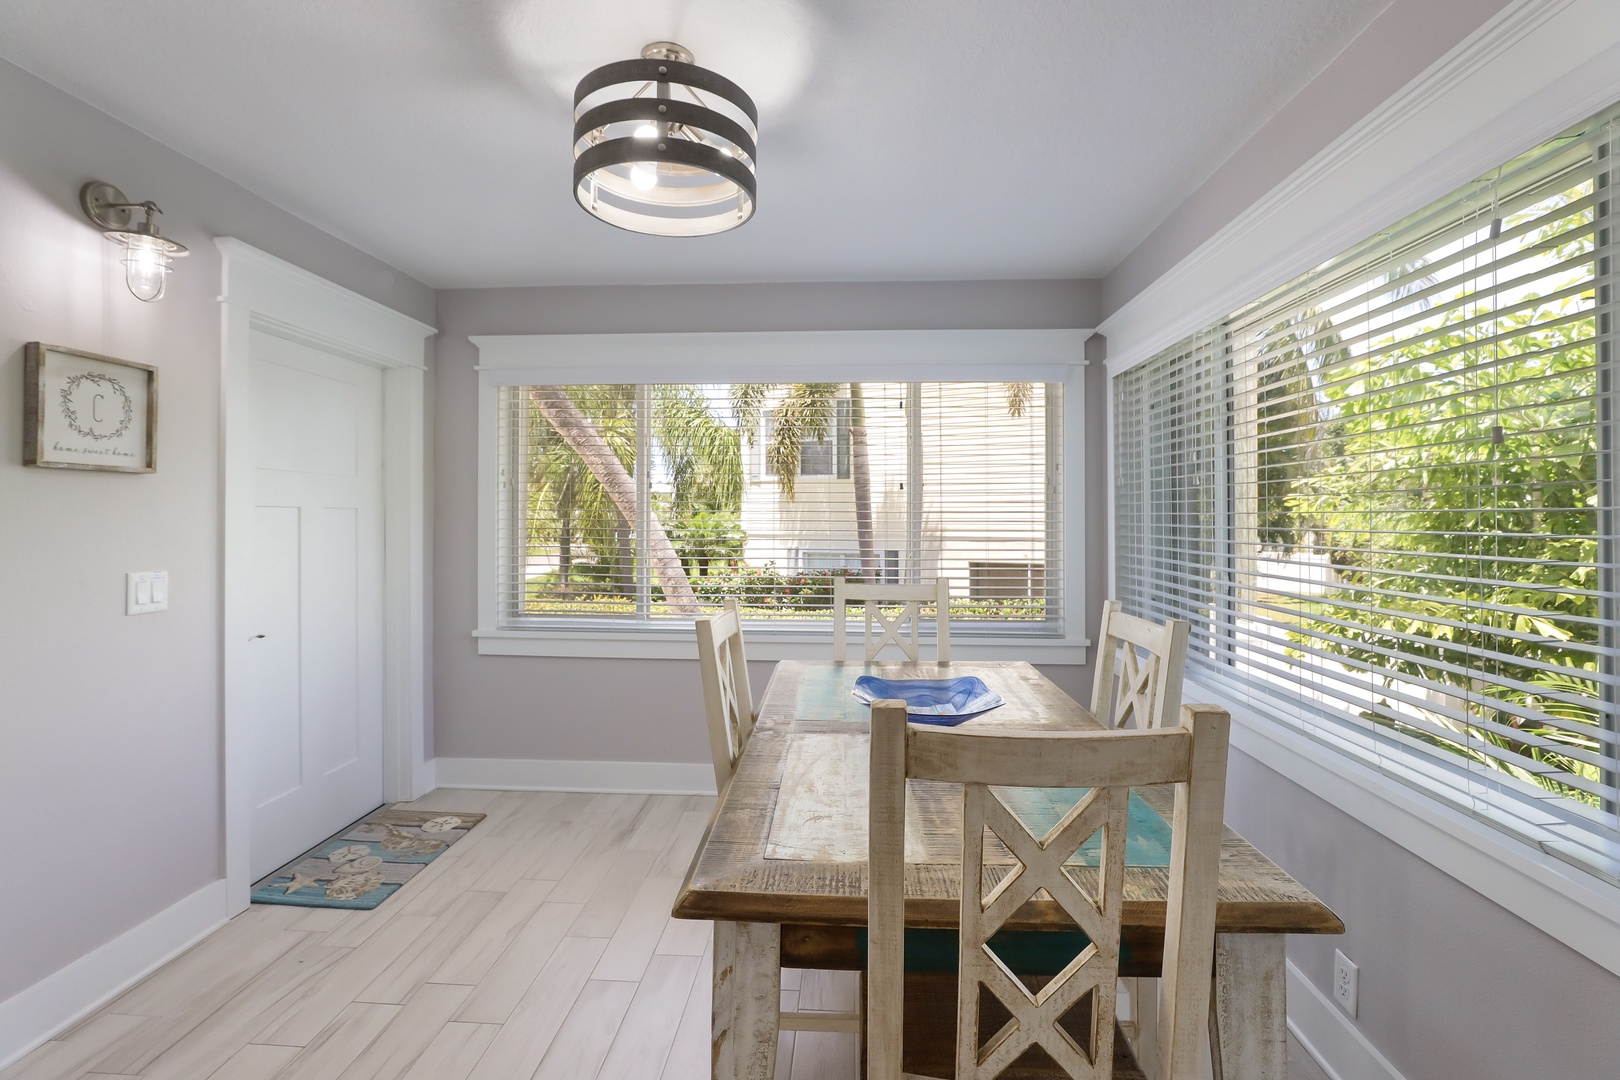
x=959, y=490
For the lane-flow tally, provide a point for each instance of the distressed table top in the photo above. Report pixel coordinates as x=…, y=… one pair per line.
x=787, y=843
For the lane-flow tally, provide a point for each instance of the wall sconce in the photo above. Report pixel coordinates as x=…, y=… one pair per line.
x=148, y=257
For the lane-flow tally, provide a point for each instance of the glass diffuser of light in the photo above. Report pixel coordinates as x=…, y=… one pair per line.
x=148, y=256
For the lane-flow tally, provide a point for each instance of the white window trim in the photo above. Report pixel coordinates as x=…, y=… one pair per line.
x=1555, y=896
x=1055, y=356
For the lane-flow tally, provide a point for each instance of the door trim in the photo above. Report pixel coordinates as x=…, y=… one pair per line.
x=264, y=293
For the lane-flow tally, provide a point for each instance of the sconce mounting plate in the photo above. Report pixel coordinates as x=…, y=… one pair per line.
x=100, y=201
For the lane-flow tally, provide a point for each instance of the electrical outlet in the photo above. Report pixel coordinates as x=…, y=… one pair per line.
x=1345, y=974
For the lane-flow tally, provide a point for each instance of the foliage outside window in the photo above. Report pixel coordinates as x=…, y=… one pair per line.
x=623, y=505
x=1384, y=496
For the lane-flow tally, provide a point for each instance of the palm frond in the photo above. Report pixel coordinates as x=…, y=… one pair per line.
x=807, y=412
x=1019, y=396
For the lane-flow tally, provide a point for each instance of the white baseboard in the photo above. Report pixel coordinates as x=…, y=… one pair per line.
x=36, y=1014
x=1331, y=1037
x=519, y=774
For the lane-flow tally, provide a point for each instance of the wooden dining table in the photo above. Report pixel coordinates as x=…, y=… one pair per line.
x=782, y=868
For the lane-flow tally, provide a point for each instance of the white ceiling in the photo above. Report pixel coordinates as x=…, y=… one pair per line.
x=900, y=139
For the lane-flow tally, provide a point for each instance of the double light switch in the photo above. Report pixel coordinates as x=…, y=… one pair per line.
x=146, y=591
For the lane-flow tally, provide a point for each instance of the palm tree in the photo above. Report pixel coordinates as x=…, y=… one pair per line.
x=566, y=503
x=586, y=440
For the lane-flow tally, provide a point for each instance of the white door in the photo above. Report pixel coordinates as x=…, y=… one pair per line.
x=315, y=676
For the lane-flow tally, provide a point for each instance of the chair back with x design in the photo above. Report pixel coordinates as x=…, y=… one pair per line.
x=903, y=628
x=1089, y=890
x=726, y=694
x=1147, y=692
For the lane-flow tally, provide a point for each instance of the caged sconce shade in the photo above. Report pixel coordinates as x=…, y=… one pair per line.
x=664, y=147
x=148, y=257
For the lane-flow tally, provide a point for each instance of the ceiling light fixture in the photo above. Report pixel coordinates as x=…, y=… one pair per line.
x=148, y=257
x=664, y=147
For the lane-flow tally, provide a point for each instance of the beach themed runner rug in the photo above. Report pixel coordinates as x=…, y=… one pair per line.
x=366, y=863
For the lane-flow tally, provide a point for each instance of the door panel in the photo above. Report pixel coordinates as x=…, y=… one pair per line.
x=317, y=597
x=331, y=630
x=274, y=690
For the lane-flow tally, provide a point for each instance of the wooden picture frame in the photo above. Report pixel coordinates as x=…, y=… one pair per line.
x=82, y=410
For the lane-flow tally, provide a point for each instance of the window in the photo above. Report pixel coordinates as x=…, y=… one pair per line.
x=1384, y=495
x=1005, y=580
x=823, y=451
x=850, y=562
x=630, y=505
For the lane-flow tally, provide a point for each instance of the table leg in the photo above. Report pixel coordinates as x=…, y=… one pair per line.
x=1251, y=1006
x=747, y=999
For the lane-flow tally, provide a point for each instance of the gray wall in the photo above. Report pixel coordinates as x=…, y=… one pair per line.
x=1451, y=984
x=649, y=710
x=109, y=724
x=1395, y=48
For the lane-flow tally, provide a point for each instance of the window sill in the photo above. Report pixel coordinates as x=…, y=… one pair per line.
x=1578, y=909
x=679, y=644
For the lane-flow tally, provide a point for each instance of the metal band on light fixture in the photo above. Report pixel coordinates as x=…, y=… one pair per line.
x=664, y=147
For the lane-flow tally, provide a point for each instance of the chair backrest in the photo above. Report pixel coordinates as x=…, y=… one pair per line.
x=726, y=696
x=1148, y=691
x=1191, y=756
x=911, y=598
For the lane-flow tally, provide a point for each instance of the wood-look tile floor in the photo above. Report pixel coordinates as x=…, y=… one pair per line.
x=538, y=947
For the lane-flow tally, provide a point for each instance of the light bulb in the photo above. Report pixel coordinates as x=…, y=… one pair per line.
x=644, y=174
x=647, y=131
x=146, y=268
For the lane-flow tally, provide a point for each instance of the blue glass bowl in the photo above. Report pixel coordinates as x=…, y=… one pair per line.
x=931, y=701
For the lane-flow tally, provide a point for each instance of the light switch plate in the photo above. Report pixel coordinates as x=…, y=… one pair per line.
x=146, y=591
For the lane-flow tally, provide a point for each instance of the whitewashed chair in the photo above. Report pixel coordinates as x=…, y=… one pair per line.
x=730, y=705
x=912, y=598
x=726, y=694
x=1148, y=689
x=1191, y=756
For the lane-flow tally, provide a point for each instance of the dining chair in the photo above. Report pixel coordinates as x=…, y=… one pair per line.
x=727, y=697
x=1138, y=683
x=912, y=599
x=1191, y=756
x=726, y=694
x=1147, y=690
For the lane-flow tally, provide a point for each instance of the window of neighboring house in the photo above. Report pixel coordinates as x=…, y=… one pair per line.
x=629, y=504
x=1384, y=497
x=1005, y=580
x=822, y=452
x=849, y=562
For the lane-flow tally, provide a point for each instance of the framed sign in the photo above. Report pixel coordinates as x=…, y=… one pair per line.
x=85, y=411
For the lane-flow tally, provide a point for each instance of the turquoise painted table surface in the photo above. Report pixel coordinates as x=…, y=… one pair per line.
x=788, y=839
x=821, y=809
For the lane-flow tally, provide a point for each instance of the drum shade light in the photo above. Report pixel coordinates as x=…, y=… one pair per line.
x=664, y=147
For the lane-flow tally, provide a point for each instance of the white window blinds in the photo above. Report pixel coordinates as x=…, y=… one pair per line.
x=1384, y=497
x=626, y=505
